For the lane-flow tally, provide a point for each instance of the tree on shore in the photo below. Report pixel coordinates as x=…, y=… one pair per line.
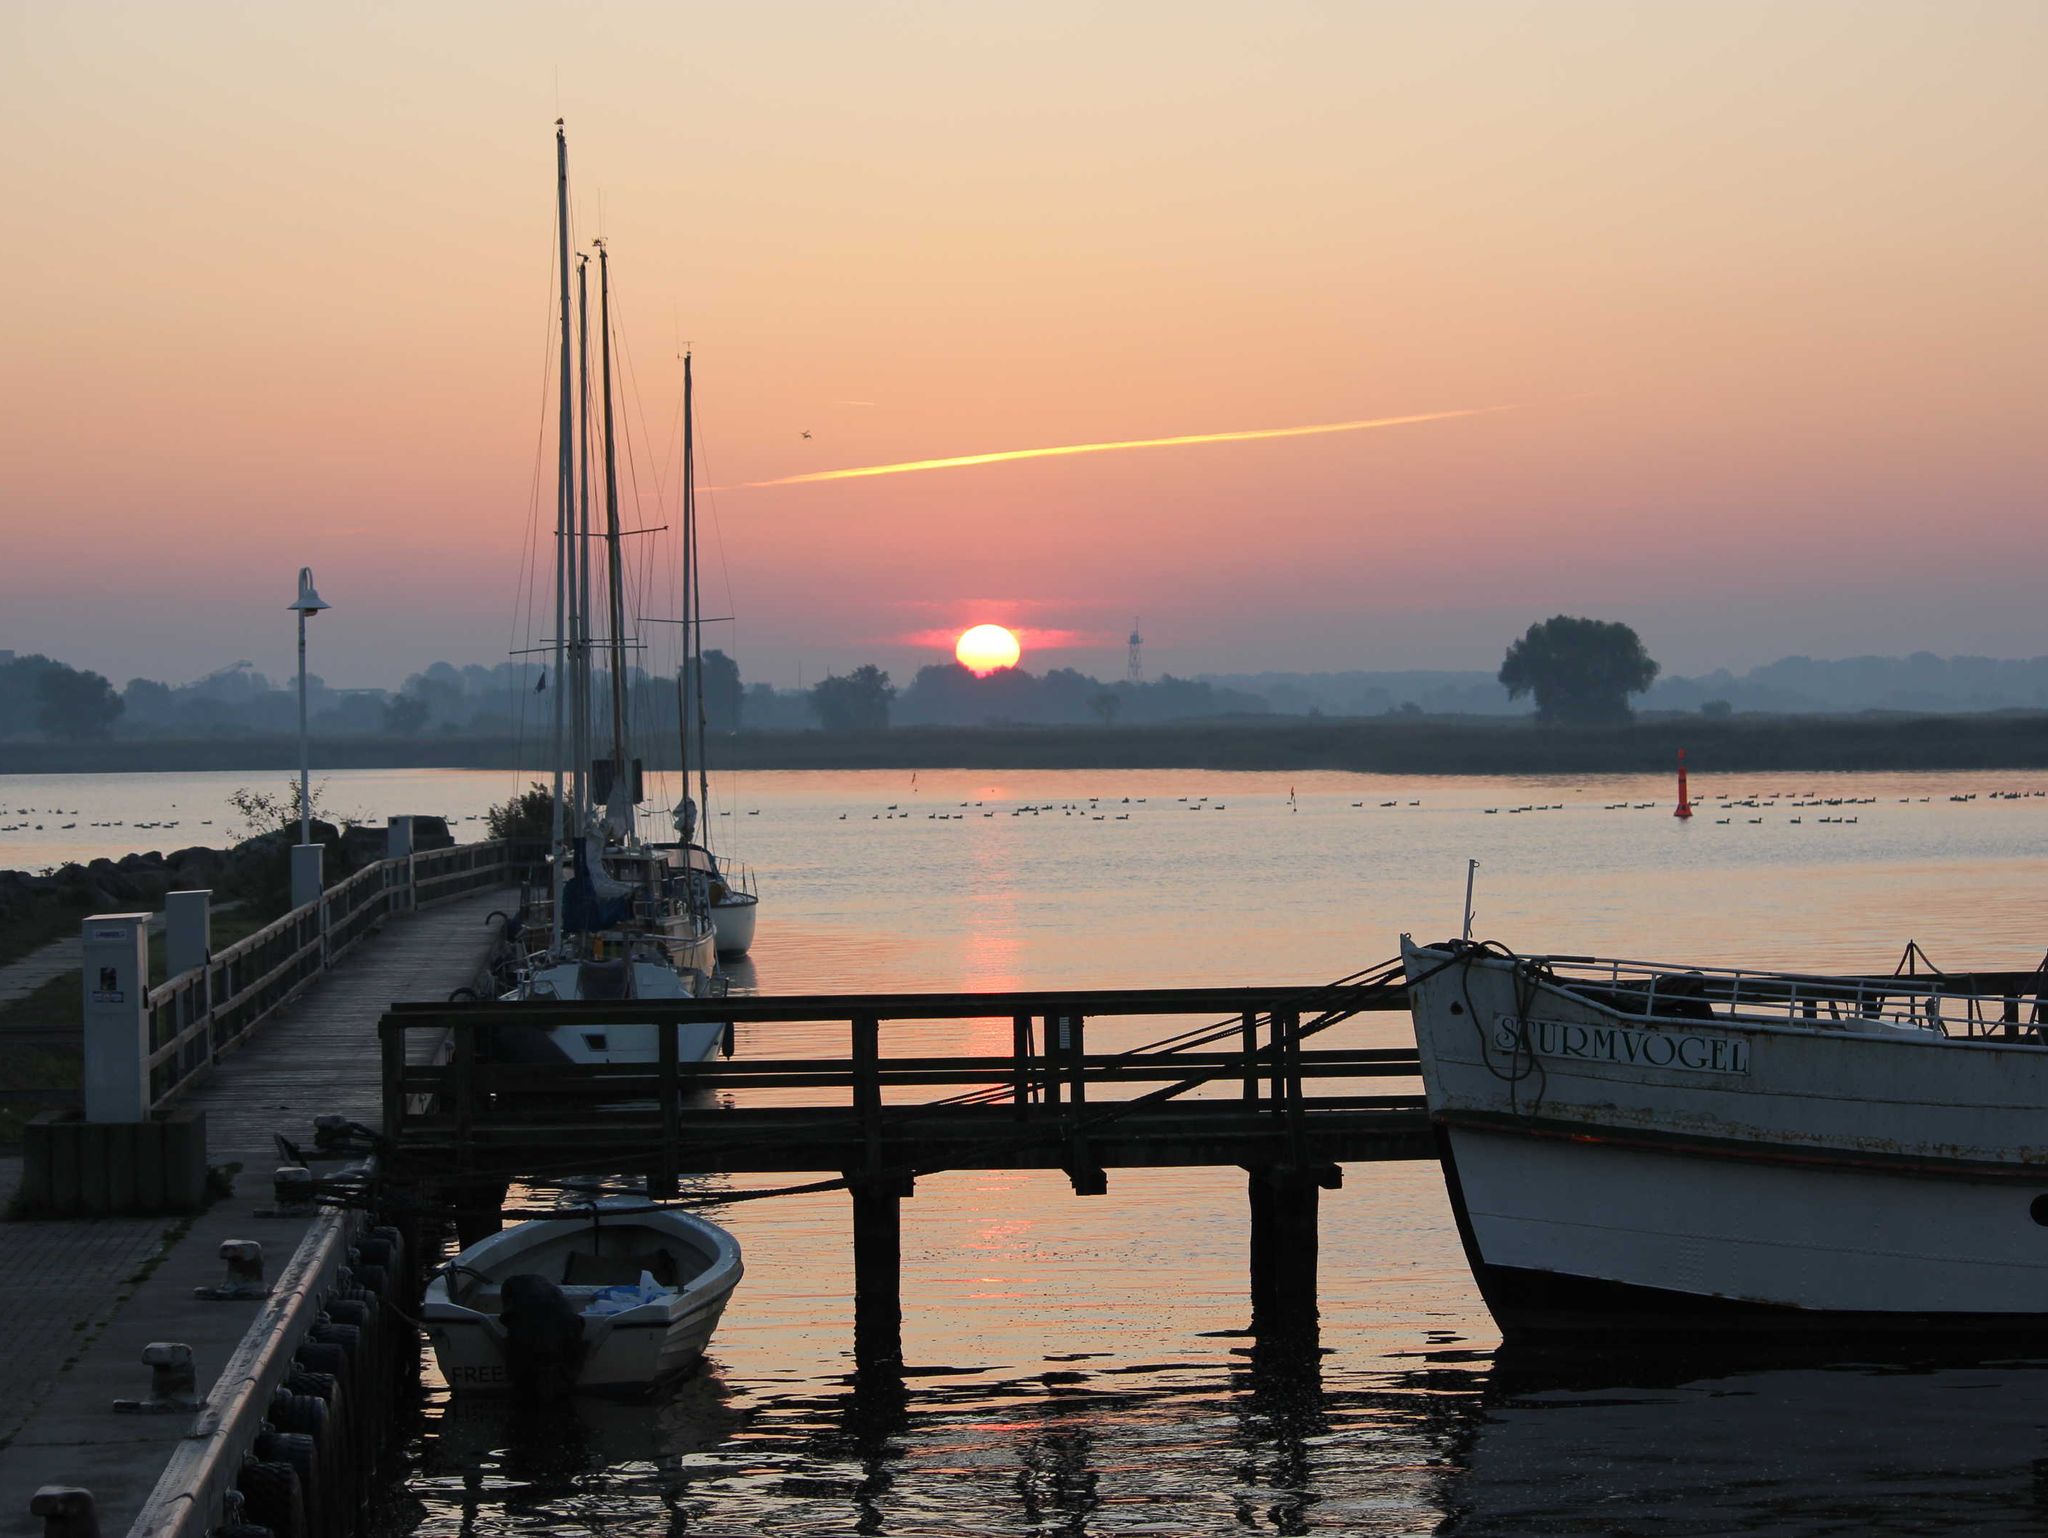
x=74, y=703
x=859, y=702
x=1581, y=671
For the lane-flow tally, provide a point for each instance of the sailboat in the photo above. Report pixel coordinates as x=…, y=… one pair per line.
x=726, y=890
x=622, y=923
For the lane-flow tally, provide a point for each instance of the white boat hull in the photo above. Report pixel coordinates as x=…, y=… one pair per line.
x=1613, y=1172
x=626, y=1356
x=628, y=1352
x=617, y=1045
x=734, y=921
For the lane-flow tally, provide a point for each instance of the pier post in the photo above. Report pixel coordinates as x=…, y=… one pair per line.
x=116, y=985
x=877, y=1272
x=188, y=930
x=1284, y=1204
x=398, y=846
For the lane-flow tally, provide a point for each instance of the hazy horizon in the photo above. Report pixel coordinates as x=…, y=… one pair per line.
x=1739, y=304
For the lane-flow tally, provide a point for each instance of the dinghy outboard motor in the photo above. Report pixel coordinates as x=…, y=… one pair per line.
x=543, y=1337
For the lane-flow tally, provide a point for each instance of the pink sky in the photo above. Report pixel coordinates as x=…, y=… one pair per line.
x=1762, y=283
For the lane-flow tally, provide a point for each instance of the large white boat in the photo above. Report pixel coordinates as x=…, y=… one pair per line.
x=607, y=1303
x=1633, y=1148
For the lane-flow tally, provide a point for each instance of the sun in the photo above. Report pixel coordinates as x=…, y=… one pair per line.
x=987, y=649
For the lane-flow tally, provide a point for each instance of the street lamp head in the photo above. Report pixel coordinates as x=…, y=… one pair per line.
x=308, y=601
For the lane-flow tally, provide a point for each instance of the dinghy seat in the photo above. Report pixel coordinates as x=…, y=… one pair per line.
x=605, y=979
x=619, y=1270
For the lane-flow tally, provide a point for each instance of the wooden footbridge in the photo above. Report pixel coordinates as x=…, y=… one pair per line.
x=1268, y=1081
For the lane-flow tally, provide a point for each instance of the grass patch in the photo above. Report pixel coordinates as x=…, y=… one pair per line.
x=33, y=1068
x=54, y=920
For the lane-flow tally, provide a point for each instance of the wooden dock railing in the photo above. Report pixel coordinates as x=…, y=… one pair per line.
x=1265, y=1078
x=204, y=1013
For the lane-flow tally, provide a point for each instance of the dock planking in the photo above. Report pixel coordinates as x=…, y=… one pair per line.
x=67, y=1350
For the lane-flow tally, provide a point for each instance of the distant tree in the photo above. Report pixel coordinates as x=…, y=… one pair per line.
x=405, y=715
x=1717, y=709
x=73, y=703
x=1105, y=705
x=439, y=691
x=147, y=700
x=1581, y=671
x=723, y=696
x=859, y=702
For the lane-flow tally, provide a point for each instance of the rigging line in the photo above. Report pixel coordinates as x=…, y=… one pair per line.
x=528, y=572
x=632, y=377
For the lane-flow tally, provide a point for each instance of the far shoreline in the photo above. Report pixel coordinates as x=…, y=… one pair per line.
x=2005, y=740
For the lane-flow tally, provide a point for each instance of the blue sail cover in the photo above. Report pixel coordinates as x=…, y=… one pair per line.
x=583, y=910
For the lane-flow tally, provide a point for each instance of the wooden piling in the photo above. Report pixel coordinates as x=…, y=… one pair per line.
x=1284, y=1207
x=877, y=1273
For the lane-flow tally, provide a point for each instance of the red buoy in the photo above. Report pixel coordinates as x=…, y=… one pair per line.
x=1684, y=804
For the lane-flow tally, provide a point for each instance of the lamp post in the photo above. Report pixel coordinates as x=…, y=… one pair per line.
x=307, y=603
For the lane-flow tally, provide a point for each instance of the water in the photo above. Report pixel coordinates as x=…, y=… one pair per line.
x=1078, y=1365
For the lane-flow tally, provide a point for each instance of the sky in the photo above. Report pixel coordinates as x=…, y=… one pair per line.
x=1726, y=322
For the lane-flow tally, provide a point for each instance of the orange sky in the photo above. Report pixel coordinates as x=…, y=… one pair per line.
x=1761, y=281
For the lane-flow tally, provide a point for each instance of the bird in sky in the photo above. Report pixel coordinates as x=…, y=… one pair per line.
x=807, y=432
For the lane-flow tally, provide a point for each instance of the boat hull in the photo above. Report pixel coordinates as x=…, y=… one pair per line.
x=624, y=1360
x=1617, y=1175
x=734, y=921
x=628, y=1352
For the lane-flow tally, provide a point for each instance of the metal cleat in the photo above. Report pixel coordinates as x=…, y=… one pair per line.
x=293, y=1188
x=173, y=1386
x=245, y=1273
x=66, y=1510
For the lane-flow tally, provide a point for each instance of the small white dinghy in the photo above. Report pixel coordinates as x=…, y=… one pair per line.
x=612, y=1302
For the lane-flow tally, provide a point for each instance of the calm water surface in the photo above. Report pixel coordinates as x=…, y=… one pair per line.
x=1079, y=1365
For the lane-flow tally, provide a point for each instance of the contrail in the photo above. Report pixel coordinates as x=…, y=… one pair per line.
x=1004, y=456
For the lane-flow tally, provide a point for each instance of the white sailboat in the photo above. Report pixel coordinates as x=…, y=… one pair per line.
x=1635, y=1149
x=621, y=923
x=726, y=890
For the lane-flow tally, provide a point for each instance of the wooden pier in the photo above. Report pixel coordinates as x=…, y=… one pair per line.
x=1266, y=1081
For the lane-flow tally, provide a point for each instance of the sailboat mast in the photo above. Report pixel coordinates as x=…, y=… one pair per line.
x=615, y=588
x=580, y=599
x=563, y=511
x=693, y=595
x=692, y=673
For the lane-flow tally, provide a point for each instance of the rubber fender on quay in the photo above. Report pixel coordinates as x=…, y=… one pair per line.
x=271, y=1498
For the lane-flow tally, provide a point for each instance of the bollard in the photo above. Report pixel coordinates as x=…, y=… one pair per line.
x=245, y=1273
x=173, y=1385
x=292, y=1187
x=67, y=1512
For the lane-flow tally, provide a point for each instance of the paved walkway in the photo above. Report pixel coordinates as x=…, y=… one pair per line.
x=21, y=977
x=80, y=1299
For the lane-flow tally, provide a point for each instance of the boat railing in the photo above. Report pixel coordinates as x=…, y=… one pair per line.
x=1984, y=1005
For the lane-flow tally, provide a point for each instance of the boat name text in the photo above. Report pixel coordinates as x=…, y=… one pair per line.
x=1685, y=1051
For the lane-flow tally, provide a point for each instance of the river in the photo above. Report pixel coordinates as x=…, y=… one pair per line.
x=1078, y=1364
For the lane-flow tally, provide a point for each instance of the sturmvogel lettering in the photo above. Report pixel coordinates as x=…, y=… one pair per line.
x=1686, y=1052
